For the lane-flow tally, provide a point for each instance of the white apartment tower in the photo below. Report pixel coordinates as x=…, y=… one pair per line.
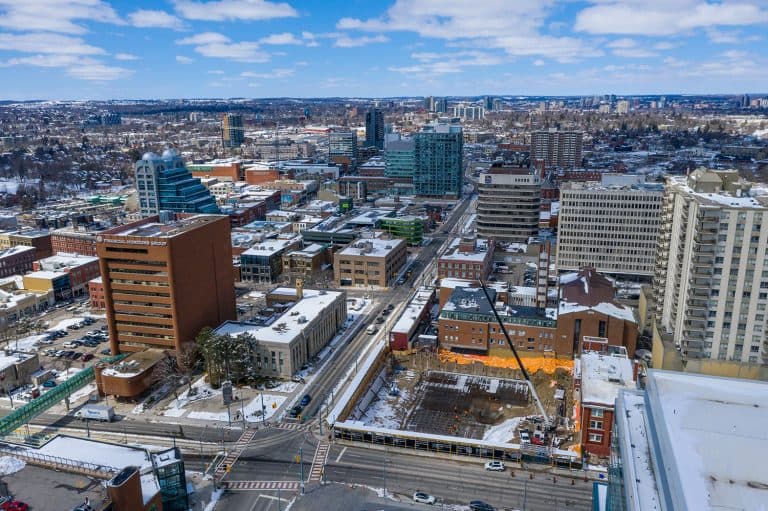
x=711, y=282
x=612, y=226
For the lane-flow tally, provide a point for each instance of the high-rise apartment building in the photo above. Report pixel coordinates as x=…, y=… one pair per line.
x=429, y=103
x=374, y=128
x=613, y=228
x=163, y=282
x=438, y=153
x=232, y=133
x=710, y=288
x=163, y=183
x=557, y=148
x=508, y=203
x=440, y=106
x=342, y=148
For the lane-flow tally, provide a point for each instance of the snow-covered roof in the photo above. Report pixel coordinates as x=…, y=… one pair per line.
x=642, y=493
x=98, y=453
x=609, y=309
x=269, y=247
x=7, y=361
x=413, y=312
x=16, y=249
x=371, y=247
x=713, y=433
x=44, y=274
x=65, y=260
x=453, y=254
x=603, y=377
x=288, y=326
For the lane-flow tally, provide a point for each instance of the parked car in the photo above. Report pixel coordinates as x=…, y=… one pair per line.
x=71, y=344
x=49, y=384
x=494, y=466
x=479, y=505
x=424, y=498
x=14, y=505
x=295, y=411
x=87, y=357
x=525, y=437
x=305, y=400
x=106, y=351
x=76, y=355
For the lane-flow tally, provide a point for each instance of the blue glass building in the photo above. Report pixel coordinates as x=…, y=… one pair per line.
x=163, y=183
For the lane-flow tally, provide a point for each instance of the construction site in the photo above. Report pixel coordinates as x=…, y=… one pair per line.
x=471, y=397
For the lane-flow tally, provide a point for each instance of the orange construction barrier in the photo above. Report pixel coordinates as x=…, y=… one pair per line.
x=532, y=364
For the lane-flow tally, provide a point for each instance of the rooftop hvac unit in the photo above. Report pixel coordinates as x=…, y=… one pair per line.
x=302, y=319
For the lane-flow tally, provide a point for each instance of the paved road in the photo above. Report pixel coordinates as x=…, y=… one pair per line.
x=402, y=474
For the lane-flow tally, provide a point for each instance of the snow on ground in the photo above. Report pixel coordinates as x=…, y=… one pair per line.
x=215, y=496
x=84, y=392
x=10, y=465
x=503, y=432
x=255, y=294
x=65, y=375
x=286, y=387
x=29, y=343
x=66, y=323
x=383, y=412
x=177, y=407
x=250, y=410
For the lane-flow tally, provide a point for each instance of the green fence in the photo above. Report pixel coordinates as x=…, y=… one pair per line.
x=29, y=411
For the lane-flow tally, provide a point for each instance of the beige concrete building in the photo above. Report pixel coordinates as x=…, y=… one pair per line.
x=509, y=203
x=305, y=328
x=369, y=262
x=710, y=289
x=612, y=228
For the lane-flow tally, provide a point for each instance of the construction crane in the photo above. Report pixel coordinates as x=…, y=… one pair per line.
x=547, y=420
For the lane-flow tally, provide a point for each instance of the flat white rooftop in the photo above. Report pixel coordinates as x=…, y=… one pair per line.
x=288, y=326
x=372, y=247
x=603, y=377
x=712, y=434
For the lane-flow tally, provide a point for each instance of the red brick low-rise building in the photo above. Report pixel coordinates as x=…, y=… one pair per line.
x=16, y=260
x=602, y=376
x=468, y=258
x=96, y=293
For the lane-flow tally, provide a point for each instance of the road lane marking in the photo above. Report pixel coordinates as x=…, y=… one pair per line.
x=338, y=459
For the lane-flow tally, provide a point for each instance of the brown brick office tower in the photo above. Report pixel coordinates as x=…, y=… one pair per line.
x=163, y=282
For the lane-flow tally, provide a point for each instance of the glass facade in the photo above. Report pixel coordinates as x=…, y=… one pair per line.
x=439, y=150
x=169, y=469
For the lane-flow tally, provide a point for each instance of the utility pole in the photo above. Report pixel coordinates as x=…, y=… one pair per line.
x=301, y=469
x=263, y=411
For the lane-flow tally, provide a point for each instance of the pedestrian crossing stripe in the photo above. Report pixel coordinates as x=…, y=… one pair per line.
x=261, y=485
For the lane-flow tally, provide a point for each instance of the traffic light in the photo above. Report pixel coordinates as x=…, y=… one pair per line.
x=274, y=405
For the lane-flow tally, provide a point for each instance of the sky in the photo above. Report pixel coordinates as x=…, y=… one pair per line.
x=139, y=49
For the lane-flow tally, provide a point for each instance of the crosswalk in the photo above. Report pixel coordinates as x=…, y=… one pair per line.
x=235, y=452
x=318, y=461
x=261, y=485
x=292, y=426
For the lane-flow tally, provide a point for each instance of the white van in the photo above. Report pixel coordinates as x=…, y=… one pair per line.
x=372, y=329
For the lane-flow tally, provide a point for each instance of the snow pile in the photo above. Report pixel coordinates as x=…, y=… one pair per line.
x=215, y=496
x=504, y=432
x=10, y=465
x=252, y=410
x=29, y=343
x=386, y=411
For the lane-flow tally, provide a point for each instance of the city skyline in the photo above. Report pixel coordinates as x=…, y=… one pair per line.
x=95, y=49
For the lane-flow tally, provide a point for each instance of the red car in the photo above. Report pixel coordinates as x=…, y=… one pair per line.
x=87, y=357
x=14, y=505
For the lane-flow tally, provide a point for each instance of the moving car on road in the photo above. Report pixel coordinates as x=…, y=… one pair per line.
x=424, y=498
x=495, y=466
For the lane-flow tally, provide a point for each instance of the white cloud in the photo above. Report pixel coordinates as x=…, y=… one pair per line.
x=538, y=62
x=227, y=10
x=54, y=15
x=181, y=59
x=47, y=43
x=215, y=45
x=447, y=63
x=126, y=56
x=274, y=74
x=215, y=72
x=147, y=18
x=82, y=68
x=513, y=26
x=284, y=38
x=345, y=41
x=665, y=17
x=664, y=45
x=97, y=71
x=622, y=43
x=629, y=48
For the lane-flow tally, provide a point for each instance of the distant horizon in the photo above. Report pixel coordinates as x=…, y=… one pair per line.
x=107, y=49
x=404, y=97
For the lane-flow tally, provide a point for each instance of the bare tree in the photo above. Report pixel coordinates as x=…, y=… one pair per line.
x=187, y=358
x=166, y=372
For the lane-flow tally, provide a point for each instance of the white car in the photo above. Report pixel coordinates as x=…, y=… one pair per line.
x=495, y=466
x=424, y=498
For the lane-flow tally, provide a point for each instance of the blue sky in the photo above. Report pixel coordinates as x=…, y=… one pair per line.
x=101, y=49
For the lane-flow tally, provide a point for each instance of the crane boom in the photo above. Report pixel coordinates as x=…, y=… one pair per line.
x=517, y=357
